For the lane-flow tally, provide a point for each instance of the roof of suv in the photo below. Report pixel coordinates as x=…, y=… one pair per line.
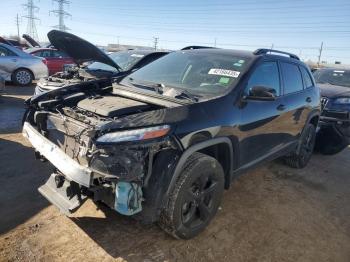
x=248, y=54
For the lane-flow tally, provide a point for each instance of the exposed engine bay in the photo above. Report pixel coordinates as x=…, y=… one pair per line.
x=72, y=119
x=73, y=75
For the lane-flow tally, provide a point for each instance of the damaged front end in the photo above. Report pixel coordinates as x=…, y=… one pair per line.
x=77, y=132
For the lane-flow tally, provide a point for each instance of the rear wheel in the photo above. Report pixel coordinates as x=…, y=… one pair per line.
x=195, y=198
x=22, y=77
x=301, y=157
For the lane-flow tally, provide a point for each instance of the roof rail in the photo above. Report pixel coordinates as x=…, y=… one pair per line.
x=262, y=51
x=196, y=47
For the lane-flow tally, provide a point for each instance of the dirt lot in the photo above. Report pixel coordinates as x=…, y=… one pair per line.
x=271, y=214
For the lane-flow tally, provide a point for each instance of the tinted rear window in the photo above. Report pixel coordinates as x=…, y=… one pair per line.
x=306, y=77
x=291, y=78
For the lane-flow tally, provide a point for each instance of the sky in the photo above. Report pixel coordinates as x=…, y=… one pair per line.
x=297, y=26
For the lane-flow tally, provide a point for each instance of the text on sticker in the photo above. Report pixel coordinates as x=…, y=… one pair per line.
x=223, y=72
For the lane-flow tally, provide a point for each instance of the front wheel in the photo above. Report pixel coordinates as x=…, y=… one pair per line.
x=22, y=77
x=195, y=198
x=301, y=157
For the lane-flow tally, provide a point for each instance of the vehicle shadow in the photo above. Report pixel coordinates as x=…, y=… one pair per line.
x=125, y=237
x=12, y=90
x=11, y=114
x=19, y=178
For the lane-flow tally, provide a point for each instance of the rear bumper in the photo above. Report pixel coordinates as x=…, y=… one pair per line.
x=67, y=166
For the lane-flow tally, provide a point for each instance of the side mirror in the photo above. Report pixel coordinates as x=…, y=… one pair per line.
x=261, y=93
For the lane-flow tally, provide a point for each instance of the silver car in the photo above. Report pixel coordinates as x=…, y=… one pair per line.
x=20, y=67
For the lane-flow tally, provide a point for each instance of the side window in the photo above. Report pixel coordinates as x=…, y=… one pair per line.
x=291, y=78
x=58, y=54
x=266, y=75
x=5, y=52
x=306, y=76
x=43, y=53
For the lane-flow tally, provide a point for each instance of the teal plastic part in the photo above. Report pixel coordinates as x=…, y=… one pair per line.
x=128, y=198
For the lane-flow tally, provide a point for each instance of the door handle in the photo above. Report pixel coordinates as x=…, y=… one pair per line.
x=308, y=99
x=14, y=60
x=281, y=108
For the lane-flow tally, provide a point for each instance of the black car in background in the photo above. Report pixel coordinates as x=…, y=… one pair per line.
x=334, y=132
x=162, y=144
x=93, y=63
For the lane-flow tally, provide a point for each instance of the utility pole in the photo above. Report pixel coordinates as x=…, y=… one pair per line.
x=17, y=24
x=155, y=40
x=320, y=54
x=215, y=42
x=31, y=28
x=61, y=14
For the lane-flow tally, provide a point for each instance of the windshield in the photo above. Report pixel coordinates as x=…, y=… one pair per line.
x=337, y=77
x=125, y=59
x=198, y=72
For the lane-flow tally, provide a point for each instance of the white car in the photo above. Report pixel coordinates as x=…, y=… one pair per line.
x=20, y=67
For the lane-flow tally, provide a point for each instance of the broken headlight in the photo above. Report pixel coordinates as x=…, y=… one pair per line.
x=135, y=135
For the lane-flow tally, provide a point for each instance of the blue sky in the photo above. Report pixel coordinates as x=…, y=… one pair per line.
x=297, y=26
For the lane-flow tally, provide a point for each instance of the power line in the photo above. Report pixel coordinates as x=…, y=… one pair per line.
x=31, y=27
x=320, y=54
x=61, y=14
x=17, y=24
x=155, y=41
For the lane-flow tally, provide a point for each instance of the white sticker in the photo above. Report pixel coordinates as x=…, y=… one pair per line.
x=223, y=72
x=137, y=55
x=338, y=71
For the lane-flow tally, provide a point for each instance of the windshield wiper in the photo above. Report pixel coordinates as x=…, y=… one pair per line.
x=188, y=95
x=157, y=87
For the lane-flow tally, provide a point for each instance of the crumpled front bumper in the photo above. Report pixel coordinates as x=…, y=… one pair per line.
x=338, y=121
x=72, y=170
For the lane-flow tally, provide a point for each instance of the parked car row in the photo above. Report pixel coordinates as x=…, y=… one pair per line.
x=20, y=67
x=92, y=63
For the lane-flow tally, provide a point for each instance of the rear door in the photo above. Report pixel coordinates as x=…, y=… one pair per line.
x=8, y=62
x=263, y=127
x=46, y=54
x=296, y=97
x=59, y=59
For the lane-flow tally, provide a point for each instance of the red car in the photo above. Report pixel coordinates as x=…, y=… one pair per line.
x=53, y=58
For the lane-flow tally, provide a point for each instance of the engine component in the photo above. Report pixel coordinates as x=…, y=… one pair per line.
x=111, y=106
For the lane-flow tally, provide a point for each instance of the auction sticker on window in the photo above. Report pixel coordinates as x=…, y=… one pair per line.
x=223, y=72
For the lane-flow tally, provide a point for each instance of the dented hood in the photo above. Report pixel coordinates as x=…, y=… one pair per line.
x=79, y=49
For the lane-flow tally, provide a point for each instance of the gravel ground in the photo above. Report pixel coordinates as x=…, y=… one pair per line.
x=273, y=213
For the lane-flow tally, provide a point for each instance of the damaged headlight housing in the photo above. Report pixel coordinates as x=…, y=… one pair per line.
x=135, y=135
x=342, y=100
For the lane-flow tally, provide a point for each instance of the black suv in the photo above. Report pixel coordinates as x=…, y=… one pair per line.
x=163, y=143
x=334, y=128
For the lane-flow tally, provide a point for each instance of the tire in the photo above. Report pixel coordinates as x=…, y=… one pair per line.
x=22, y=77
x=301, y=157
x=195, y=198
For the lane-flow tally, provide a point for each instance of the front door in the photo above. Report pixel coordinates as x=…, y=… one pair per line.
x=263, y=129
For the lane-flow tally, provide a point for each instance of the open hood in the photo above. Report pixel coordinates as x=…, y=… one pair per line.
x=31, y=41
x=79, y=49
x=4, y=41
